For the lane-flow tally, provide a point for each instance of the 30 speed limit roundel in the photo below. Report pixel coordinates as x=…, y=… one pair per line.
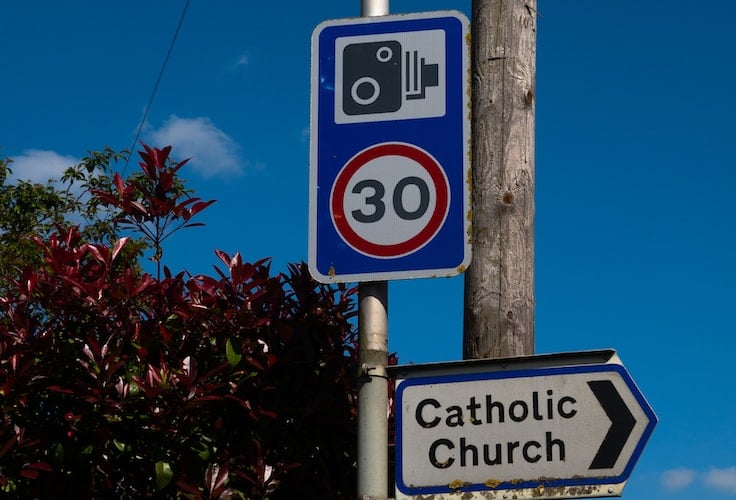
x=389, y=200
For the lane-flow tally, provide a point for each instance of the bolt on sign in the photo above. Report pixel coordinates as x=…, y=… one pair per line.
x=562, y=426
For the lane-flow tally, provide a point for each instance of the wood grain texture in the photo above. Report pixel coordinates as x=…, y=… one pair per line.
x=499, y=284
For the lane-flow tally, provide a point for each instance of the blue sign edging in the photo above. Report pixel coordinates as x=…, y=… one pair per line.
x=541, y=372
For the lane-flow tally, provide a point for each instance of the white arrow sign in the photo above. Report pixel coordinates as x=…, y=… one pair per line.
x=543, y=427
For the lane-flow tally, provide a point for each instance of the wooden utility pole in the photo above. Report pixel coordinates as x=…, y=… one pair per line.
x=499, y=284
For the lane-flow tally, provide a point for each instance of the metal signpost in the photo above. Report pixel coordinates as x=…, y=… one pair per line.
x=390, y=147
x=563, y=426
x=390, y=199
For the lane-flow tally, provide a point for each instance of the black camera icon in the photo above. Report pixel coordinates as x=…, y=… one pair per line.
x=378, y=77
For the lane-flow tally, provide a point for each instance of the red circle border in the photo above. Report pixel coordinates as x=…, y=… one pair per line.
x=414, y=243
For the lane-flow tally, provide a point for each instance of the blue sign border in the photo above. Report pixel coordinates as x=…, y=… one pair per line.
x=538, y=372
x=446, y=138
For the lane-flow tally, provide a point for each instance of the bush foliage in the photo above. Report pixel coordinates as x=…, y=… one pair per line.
x=118, y=384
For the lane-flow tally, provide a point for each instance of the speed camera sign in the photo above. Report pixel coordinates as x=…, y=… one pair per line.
x=389, y=159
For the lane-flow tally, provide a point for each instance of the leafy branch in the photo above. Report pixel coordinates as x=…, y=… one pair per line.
x=155, y=202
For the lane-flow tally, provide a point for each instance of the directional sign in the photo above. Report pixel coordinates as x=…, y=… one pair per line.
x=390, y=146
x=539, y=427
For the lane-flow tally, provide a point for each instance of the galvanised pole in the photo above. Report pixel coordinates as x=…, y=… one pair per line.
x=373, y=355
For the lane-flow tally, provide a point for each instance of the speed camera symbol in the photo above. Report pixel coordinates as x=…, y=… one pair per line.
x=390, y=77
x=379, y=76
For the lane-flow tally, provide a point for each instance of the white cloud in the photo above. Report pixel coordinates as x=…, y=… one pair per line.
x=677, y=479
x=38, y=165
x=242, y=61
x=722, y=479
x=213, y=153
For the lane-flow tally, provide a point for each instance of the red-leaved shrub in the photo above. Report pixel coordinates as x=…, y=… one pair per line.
x=118, y=384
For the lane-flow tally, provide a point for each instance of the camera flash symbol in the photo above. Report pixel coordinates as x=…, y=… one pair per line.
x=419, y=75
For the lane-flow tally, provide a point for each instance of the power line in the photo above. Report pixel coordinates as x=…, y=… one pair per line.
x=158, y=81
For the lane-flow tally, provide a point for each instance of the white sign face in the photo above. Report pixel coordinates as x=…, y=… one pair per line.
x=380, y=78
x=532, y=429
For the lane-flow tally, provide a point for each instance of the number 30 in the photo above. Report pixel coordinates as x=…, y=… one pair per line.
x=379, y=191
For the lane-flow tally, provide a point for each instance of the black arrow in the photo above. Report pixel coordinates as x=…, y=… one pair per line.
x=622, y=423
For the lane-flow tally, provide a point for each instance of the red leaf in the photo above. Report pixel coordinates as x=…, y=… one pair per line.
x=28, y=281
x=225, y=258
x=215, y=478
x=106, y=197
x=29, y=473
x=57, y=388
x=199, y=206
x=162, y=155
x=42, y=466
x=119, y=246
x=139, y=207
x=166, y=182
x=97, y=253
x=119, y=183
x=180, y=164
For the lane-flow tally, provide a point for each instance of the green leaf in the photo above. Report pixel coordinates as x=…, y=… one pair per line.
x=202, y=450
x=163, y=475
x=232, y=356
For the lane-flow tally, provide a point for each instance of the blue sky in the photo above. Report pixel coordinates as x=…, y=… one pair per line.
x=634, y=176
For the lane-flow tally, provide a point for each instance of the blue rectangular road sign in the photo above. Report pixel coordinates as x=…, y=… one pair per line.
x=390, y=148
